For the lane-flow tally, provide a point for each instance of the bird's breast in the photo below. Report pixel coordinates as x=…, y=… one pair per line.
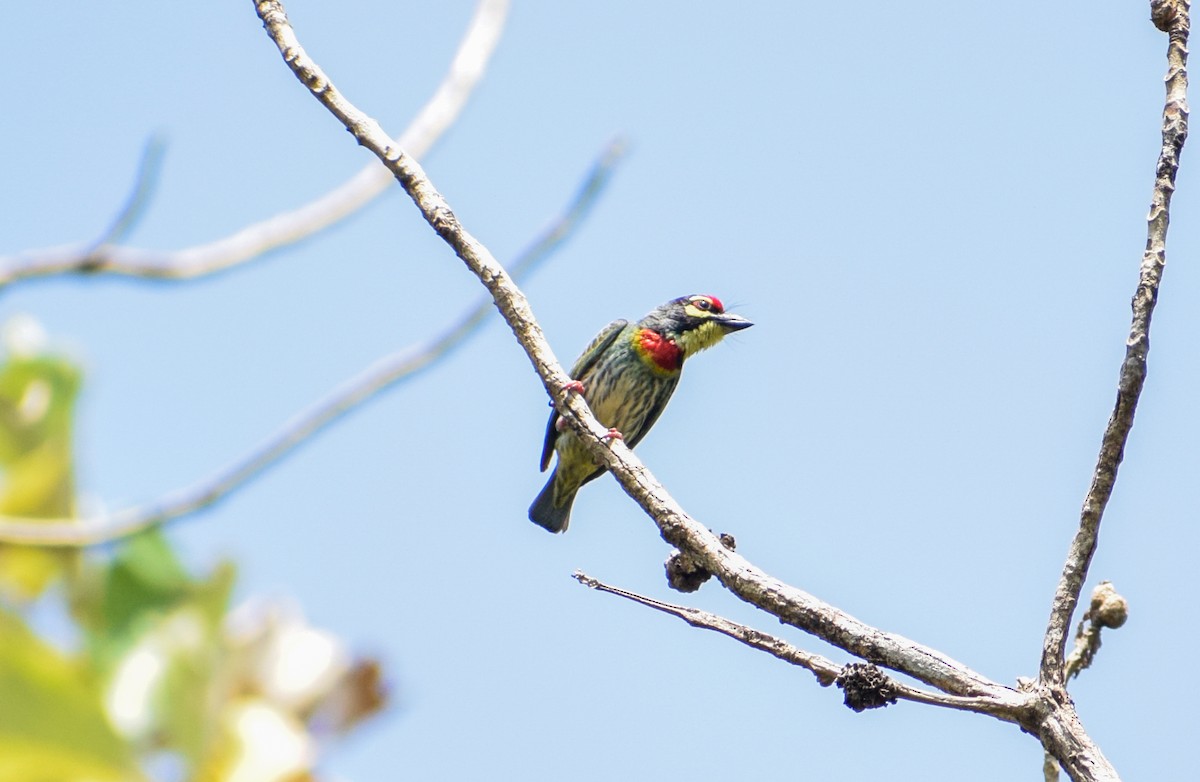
x=662, y=353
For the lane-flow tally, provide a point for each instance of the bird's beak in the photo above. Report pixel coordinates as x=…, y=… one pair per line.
x=730, y=322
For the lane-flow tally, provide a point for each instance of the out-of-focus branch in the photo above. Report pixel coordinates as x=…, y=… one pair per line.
x=1171, y=16
x=139, y=198
x=384, y=373
x=285, y=228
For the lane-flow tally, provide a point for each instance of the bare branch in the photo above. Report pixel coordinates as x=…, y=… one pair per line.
x=383, y=374
x=751, y=584
x=1174, y=16
x=252, y=241
x=825, y=670
x=1051, y=719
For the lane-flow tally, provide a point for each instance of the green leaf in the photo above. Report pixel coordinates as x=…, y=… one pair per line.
x=144, y=575
x=53, y=727
x=37, y=398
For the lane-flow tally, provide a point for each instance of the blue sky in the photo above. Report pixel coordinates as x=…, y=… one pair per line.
x=933, y=214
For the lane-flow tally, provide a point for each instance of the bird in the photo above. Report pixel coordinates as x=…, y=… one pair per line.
x=626, y=375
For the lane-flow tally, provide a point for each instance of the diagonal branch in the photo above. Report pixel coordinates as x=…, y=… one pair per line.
x=823, y=668
x=252, y=241
x=1053, y=720
x=791, y=605
x=383, y=374
x=1173, y=17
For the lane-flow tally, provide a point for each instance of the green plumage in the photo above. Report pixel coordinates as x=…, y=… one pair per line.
x=628, y=372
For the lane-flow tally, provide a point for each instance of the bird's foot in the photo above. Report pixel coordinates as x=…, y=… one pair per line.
x=571, y=385
x=613, y=434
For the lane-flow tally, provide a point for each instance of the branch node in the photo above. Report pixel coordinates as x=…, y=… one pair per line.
x=256, y=239
x=1166, y=16
x=1108, y=608
x=685, y=574
x=866, y=687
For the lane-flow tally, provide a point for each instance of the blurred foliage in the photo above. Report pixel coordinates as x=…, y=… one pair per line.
x=117, y=663
x=37, y=397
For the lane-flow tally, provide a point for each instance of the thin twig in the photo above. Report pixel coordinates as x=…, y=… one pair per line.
x=1133, y=368
x=384, y=373
x=824, y=669
x=139, y=198
x=252, y=241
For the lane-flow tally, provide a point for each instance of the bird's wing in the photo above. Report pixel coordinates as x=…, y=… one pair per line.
x=591, y=354
x=600, y=343
x=654, y=413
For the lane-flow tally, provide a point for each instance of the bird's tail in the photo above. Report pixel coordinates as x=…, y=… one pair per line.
x=544, y=513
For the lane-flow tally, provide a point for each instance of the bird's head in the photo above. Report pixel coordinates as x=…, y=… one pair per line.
x=694, y=322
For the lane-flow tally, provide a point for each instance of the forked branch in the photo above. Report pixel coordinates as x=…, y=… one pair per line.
x=748, y=582
x=1040, y=709
x=253, y=241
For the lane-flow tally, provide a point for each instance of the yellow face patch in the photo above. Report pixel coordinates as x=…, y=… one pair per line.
x=703, y=336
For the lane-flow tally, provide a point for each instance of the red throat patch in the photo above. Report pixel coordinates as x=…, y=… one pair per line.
x=663, y=352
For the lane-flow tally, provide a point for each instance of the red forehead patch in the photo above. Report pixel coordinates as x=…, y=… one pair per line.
x=717, y=305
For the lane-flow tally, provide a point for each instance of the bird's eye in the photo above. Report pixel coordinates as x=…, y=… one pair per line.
x=704, y=305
